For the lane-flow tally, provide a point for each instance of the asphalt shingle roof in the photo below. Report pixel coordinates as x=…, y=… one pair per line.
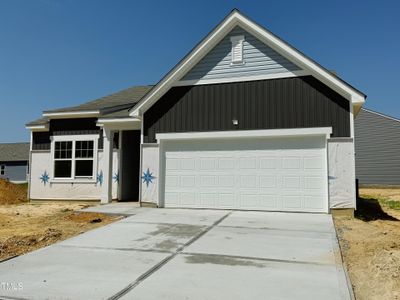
x=14, y=152
x=129, y=96
x=40, y=121
x=112, y=106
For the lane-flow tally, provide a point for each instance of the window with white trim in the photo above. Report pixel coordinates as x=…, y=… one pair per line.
x=2, y=169
x=74, y=158
x=237, y=49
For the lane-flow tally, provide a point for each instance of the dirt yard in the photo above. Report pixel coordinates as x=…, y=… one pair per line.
x=25, y=227
x=370, y=244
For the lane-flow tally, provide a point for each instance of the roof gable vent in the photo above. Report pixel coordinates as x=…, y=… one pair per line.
x=237, y=49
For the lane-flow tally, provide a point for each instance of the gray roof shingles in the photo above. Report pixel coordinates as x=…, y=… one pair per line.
x=115, y=105
x=129, y=96
x=14, y=152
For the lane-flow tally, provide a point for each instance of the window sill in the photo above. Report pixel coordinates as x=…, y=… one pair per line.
x=70, y=180
x=238, y=63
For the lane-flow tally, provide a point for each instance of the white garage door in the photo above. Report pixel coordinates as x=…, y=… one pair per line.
x=277, y=174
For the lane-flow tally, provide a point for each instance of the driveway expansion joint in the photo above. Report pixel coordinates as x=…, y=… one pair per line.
x=158, y=266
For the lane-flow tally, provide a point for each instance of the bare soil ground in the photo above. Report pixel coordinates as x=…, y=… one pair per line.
x=370, y=244
x=25, y=227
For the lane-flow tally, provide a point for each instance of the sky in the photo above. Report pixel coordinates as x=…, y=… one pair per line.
x=58, y=53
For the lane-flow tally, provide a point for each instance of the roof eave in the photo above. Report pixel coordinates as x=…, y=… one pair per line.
x=71, y=114
x=44, y=127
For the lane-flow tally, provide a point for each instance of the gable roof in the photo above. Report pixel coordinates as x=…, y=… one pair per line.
x=235, y=18
x=14, y=152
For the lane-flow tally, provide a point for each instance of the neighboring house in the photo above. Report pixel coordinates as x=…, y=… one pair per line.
x=377, y=144
x=14, y=159
x=243, y=121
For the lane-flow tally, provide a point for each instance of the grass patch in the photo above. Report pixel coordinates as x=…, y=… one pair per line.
x=370, y=209
x=23, y=185
x=383, y=201
x=392, y=204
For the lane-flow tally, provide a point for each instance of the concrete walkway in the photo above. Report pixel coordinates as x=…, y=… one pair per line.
x=115, y=208
x=187, y=254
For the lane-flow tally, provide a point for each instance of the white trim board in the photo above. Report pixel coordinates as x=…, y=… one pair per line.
x=242, y=78
x=245, y=134
x=237, y=19
x=128, y=123
x=75, y=114
x=38, y=128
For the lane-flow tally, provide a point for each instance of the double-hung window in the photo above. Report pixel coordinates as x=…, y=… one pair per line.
x=75, y=157
x=2, y=169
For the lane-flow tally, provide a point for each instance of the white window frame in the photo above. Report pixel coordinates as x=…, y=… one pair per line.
x=235, y=40
x=74, y=139
x=2, y=170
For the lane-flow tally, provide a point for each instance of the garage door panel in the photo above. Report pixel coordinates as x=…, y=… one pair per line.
x=292, y=163
x=268, y=181
x=291, y=182
x=188, y=199
x=268, y=162
x=313, y=202
x=248, y=181
x=268, y=201
x=172, y=164
x=172, y=199
x=207, y=163
x=292, y=202
x=187, y=163
x=313, y=182
x=208, y=199
x=208, y=181
x=226, y=163
x=188, y=181
x=248, y=200
x=286, y=178
x=226, y=200
x=246, y=163
x=226, y=180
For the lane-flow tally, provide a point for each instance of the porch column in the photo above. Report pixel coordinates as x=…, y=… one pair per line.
x=106, y=193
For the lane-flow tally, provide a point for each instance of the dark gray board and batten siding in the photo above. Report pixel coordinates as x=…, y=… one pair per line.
x=297, y=102
x=41, y=140
x=377, y=146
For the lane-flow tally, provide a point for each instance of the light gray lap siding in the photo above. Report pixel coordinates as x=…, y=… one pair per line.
x=259, y=60
x=377, y=145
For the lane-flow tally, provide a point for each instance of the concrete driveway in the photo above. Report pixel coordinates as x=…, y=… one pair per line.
x=187, y=254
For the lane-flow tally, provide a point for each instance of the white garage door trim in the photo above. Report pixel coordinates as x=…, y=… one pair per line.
x=323, y=132
x=245, y=134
